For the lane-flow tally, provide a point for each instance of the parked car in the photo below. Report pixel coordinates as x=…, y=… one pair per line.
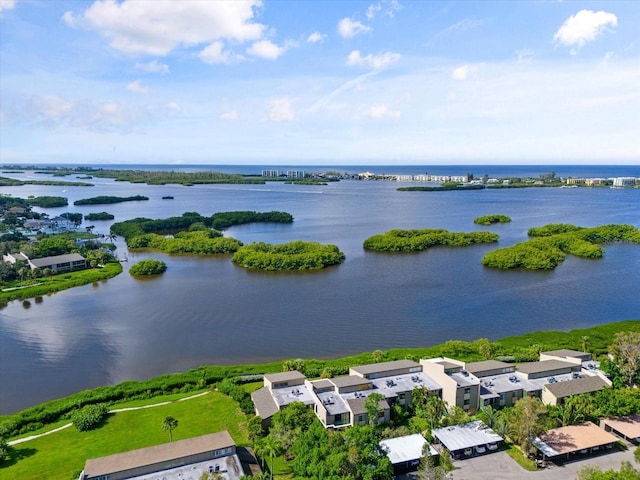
x=492, y=446
x=468, y=452
x=480, y=449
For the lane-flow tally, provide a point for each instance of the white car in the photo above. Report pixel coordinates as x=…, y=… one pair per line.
x=480, y=449
x=492, y=446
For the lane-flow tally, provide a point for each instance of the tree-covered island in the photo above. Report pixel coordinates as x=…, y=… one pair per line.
x=107, y=199
x=491, y=219
x=551, y=243
x=148, y=267
x=297, y=255
x=416, y=240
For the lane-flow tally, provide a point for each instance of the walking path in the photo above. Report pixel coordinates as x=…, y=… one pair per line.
x=116, y=410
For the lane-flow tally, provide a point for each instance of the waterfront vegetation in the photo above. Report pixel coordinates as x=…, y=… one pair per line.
x=148, y=267
x=417, y=240
x=296, y=434
x=12, y=182
x=47, y=202
x=46, y=285
x=445, y=187
x=491, y=219
x=297, y=255
x=224, y=220
x=203, y=242
x=99, y=216
x=550, y=244
x=108, y=199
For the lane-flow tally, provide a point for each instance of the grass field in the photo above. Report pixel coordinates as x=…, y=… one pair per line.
x=61, y=455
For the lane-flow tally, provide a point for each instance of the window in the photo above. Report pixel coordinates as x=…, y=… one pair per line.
x=467, y=390
x=467, y=402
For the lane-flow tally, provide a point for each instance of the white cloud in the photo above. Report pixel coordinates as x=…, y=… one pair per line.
x=230, y=115
x=137, y=87
x=377, y=62
x=372, y=10
x=50, y=107
x=7, y=5
x=607, y=56
x=525, y=55
x=381, y=111
x=584, y=27
x=316, y=37
x=280, y=110
x=172, y=107
x=465, y=71
x=157, y=28
x=153, y=67
x=349, y=28
x=265, y=49
x=214, y=53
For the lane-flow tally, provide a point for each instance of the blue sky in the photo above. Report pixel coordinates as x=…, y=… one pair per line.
x=319, y=82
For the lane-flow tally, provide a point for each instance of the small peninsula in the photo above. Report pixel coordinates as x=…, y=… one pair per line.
x=297, y=255
x=417, y=240
x=550, y=245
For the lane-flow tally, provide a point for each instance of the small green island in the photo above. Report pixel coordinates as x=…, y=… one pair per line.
x=148, y=267
x=99, y=216
x=491, y=219
x=107, y=199
x=47, y=202
x=416, y=240
x=550, y=245
x=297, y=255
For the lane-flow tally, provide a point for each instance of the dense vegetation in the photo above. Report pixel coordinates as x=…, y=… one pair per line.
x=416, y=240
x=148, y=267
x=551, y=243
x=297, y=255
x=491, y=219
x=12, y=182
x=224, y=220
x=99, y=216
x=200, y=242
x=107, y=199
x=48, y=202
x=89, y=416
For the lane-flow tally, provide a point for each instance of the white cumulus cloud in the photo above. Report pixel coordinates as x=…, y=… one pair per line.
x=214, y=53
x=316, y=37
x=377, y=62
x=137, y=87
x=349, y=28
x=153, y=67
x=584, y=27
x=158, y=27
x=230, y=115
x=280, y=110
x=465, y=71
x=381, y=111
x=265, y=49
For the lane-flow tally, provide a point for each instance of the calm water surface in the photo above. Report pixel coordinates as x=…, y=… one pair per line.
x=205, y=310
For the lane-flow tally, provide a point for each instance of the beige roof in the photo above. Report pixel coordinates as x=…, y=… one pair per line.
x=563, y=352
x=284, y=376
x=545, y=365
x=349, y=381
x=629, y=426
x=575, y=387
x=265, y=404
x=573, y=438
x=385, y=366
x=159, y=453
x=358, y=407
x=474, y=367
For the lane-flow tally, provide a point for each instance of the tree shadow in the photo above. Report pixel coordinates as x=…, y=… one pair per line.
x=16, y=454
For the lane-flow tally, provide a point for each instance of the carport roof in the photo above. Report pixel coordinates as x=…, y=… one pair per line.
x=468, y=435
x=629, y=426
x=571, y=439
x=406, y=449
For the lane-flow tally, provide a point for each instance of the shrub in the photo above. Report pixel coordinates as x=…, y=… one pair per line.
x=89, y=417
x=491, y=219
x=148, y=267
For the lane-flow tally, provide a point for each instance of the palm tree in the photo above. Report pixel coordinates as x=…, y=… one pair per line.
x=585, y=342
x=170, y=424
x=271, y=447
x=112, y=236
x=489, y=415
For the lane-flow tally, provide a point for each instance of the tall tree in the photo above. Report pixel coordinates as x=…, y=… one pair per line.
x=270, y=447
x=625, y=350
x=372, y=406
x=170, y=424
x=527, y=421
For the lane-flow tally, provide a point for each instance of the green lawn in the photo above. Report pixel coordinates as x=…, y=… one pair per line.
x=63, y=454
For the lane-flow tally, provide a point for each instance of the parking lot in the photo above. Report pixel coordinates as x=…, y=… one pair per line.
x=500, y=466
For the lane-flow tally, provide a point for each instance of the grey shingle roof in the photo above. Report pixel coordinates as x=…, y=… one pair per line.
x=576, y=387
x=384, y=367
x=546, y=365
x=43, y=262
x=265, y=404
